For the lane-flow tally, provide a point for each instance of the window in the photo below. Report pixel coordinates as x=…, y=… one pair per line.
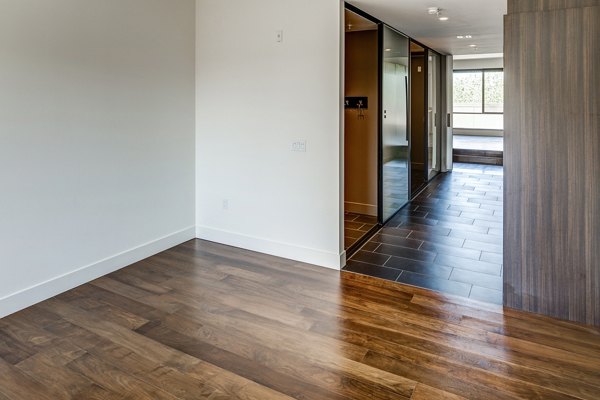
x=493, y=91
x=479, y=99
x=468, y=92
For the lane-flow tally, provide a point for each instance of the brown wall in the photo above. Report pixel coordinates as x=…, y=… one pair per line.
x=552, y=174
x=360, y=165
x=417, y=120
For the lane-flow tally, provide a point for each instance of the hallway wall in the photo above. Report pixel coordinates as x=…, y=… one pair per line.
x=255, y=97
x=477, y=63
x=361, y=135
x=552, y=142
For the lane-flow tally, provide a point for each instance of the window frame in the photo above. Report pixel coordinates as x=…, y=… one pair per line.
x=483, y=71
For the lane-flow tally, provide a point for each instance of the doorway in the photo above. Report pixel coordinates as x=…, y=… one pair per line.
x=361, y=126
x=436, y=228
x=392, y=124
x=418, y=122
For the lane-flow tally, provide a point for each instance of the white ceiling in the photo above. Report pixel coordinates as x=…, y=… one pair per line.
x=483, y=19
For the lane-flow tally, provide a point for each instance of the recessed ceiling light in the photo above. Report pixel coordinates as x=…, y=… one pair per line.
x=468, y=36
x=460, y=37
x=388, y=49
x=443, y=18
x=472, y=45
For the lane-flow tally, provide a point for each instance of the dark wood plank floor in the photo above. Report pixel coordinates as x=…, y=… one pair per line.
x=207, y=321
x=448, y=239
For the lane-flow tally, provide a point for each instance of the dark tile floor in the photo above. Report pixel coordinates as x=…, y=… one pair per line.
x=448, y=239
x=356, y=226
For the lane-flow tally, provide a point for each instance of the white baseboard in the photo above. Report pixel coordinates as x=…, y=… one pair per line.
x=360, y=208
x=285, y=250
x=52, y=287
x=343, y=260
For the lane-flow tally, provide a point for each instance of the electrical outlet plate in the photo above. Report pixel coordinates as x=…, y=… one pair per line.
x=299, y=145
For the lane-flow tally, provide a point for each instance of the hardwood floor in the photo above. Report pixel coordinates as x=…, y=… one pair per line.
x=207, y=321
x=448, y=239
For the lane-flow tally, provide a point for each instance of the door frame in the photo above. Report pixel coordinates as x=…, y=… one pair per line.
x=438, y=107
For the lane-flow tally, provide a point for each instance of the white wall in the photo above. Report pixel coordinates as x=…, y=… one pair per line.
x=479, y=63
x=254, y=98
x=96, y=139
x=447, y=105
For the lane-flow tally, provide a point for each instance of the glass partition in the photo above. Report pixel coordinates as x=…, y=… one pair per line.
x=433, y=117
x=394, y=133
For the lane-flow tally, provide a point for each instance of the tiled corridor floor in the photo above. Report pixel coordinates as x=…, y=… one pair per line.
x=356, y=226
x=448, y=239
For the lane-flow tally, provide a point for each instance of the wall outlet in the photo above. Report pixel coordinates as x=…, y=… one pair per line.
x=225, y=204
x=299, y=145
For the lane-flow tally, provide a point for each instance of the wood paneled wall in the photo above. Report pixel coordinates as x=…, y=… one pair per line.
x=552, y=160
x=518, y=6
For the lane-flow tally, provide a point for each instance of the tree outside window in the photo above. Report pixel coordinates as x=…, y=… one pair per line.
x=468, y=92
x=479, y=99
x=494, y=91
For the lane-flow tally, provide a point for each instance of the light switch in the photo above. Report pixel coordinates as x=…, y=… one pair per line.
x=279, y=36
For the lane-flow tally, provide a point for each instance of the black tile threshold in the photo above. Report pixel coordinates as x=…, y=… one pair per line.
x=448, y=239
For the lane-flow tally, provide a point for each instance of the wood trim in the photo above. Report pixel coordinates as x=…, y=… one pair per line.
x=360, y=208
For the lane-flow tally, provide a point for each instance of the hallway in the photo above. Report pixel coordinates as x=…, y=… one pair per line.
x=448, y=239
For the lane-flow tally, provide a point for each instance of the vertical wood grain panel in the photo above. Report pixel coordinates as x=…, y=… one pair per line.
x=517, y=6
x=552, y=177
x=513, y=252
x=591, y=52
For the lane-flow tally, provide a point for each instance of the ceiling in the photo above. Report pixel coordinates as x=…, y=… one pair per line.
x=482, y=19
